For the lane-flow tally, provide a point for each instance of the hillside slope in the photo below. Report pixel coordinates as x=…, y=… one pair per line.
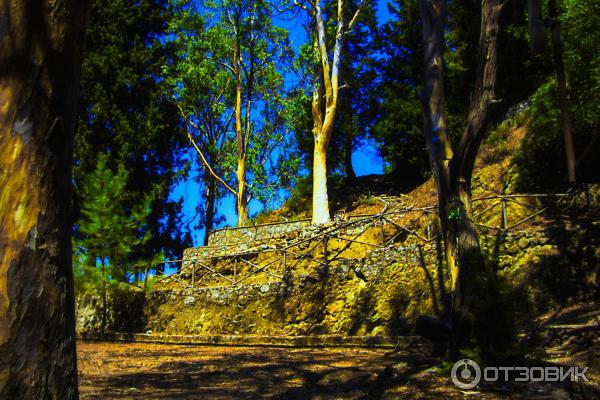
x=544, y=247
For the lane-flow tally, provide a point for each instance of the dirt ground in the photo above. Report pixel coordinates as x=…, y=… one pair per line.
x=154, y=371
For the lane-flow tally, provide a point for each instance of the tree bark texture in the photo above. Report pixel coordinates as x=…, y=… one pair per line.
x=40, y=48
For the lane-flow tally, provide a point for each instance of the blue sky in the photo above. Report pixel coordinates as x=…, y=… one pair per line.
x=365, y=160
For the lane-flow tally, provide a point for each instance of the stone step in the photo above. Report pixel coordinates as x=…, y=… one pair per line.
x=413, y=343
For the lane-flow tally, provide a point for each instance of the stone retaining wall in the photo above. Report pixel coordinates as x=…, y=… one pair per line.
x=380, y=294
x=253, y=234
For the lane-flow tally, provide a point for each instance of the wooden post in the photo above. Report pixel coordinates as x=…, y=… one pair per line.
x=504, y=217
x=325, y=255
x=382, y=231
x=193, y=275
x=235, y=271
x=284, y=263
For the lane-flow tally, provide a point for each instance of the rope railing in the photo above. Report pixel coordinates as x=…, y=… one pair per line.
x=288, y=256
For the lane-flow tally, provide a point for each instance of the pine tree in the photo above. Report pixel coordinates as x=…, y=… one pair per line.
x=395, y=112
x=108, y=234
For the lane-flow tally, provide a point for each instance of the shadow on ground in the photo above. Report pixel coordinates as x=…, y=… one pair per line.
x=149, y=371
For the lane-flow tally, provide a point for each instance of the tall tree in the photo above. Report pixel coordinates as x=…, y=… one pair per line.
x=40, y=43
x=126, y=113
x=537, y=34
x=201, y=89
x=542, y=156
x=325, y=97
x=453, y=167
x=245, y=59
x=108, y=231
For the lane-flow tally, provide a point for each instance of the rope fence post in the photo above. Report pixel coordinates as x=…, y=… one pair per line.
x=235, y=271
x=504, y=216
x=193, y=275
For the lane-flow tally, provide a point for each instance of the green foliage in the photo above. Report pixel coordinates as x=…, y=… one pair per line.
x=107, y=233
x=395, y=109
x=455, y=214
x=368, y=200
x=298, y=204
x=203, y=82
x=125, y=115
x=541, y=160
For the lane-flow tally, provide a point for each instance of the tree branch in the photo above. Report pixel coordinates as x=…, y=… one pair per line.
x=355, y=17
x=200, y=154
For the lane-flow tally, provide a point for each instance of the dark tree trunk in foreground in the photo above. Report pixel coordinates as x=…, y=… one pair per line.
x=40, y=47
x=454, y=167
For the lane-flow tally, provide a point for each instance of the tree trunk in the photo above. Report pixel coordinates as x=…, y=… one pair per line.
x=326, y=87
x=103, y=323
x=209, y=215
x=320, y=199
x=440, y=148
x=40, y=47
x=565, y=114
x=322, y=128
x=241, y=196
x=453, y=171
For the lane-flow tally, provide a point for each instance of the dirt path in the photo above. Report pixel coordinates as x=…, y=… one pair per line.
x=151, y=371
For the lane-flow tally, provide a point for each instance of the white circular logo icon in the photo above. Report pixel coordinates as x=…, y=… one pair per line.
x=466, y=374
